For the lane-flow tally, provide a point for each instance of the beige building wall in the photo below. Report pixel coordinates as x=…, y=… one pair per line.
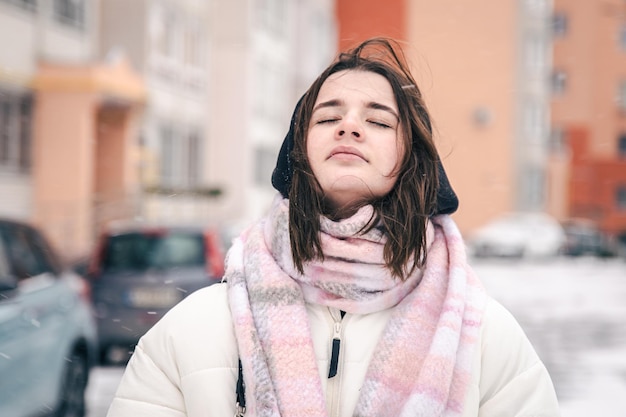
x=263, y=55
x=167, y=42
x=229, y=162
x=464, y=59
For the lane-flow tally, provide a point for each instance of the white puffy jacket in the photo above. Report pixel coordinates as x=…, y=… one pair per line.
x=187, y=364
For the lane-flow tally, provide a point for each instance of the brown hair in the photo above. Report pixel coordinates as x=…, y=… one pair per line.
x=404, y=211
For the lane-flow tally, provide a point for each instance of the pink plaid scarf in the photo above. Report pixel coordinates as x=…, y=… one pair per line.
x=422, y=363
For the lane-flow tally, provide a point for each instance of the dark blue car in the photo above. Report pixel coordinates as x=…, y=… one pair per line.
x=138, y=272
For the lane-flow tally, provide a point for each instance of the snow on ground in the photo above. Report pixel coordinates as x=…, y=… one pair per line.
x=563, y=287
x=103, y=382
x=574, y=312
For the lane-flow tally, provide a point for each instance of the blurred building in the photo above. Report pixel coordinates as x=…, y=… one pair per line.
x=482, y=67
x=66, y=120
x=167, y=42
x=263, y=55
x=166, y=110
x=589, y=112
x=222, y=77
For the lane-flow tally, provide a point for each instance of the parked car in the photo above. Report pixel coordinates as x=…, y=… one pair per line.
x=620, y=241
x=138, y=272
x=519, y=235
x=585, y=238
x=47, y=332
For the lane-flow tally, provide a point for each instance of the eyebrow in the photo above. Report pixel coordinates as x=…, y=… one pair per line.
x=371, y=105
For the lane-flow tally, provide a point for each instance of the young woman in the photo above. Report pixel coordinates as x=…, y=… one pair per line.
x=352, y=297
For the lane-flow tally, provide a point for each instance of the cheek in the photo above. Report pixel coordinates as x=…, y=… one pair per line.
x=313, y=151
x=393, y=155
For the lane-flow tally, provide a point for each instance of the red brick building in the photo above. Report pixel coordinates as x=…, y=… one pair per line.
x=597, y=184
x=363, y=19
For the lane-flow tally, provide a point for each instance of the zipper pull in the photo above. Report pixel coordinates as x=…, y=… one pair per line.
x=334, y=357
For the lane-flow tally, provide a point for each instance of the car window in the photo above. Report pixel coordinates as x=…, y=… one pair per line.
x=137, y=251
x=4, y=262
x=179, y=250
x=42, y=250
x=25, y=258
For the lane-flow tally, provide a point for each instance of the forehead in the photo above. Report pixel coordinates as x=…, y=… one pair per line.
x=356, y=84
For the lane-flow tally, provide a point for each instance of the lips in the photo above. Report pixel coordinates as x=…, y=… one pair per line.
x=346, y=150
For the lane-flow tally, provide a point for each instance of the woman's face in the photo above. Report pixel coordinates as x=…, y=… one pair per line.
x=353, y=143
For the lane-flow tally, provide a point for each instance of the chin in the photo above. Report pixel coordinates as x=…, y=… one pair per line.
x=350, y=190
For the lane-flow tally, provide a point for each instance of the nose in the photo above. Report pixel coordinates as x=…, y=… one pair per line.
x=349, y=126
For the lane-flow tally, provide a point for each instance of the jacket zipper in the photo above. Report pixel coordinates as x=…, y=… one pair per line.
x=334, y=356
x=334, y=377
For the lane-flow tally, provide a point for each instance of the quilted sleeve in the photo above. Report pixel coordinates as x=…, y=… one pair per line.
x=514, y=381
x=145, y=390
x=186, y=365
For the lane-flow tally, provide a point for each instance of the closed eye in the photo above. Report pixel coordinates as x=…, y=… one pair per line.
x=326, y=121
x=379, y=124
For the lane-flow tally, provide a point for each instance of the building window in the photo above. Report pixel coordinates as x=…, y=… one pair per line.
x=270, y=90
x=534, y=122
x=265, y=159
x=621, y=146
x=621, y=96
x=482, y=116
x=271, y=15
x=15, y=132
x=70, y=12
x=558, y=82
x=167, y=157
x=194, y=45
x=167, y=41
x=30, y=5
x=557, y=143
x=620, y=198
x=181, y=158
x=534, y=189
x=559, y=24
x=536, y=5
x=24, y=126
x=622, y=36
x=536, y=53
x=194, y=156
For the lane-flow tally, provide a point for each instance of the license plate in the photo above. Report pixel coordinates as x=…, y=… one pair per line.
x=153, y=298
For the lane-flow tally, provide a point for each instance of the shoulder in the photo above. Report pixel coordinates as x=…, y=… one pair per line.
x=498, y=319
x=503, y=340
x=196, y=333
x=204, y=304
x=512, y=376
x=185, y=364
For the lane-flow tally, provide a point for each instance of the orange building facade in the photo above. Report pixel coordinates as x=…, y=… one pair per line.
x=565, y=124
x=463, y=62
x=589, y=108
